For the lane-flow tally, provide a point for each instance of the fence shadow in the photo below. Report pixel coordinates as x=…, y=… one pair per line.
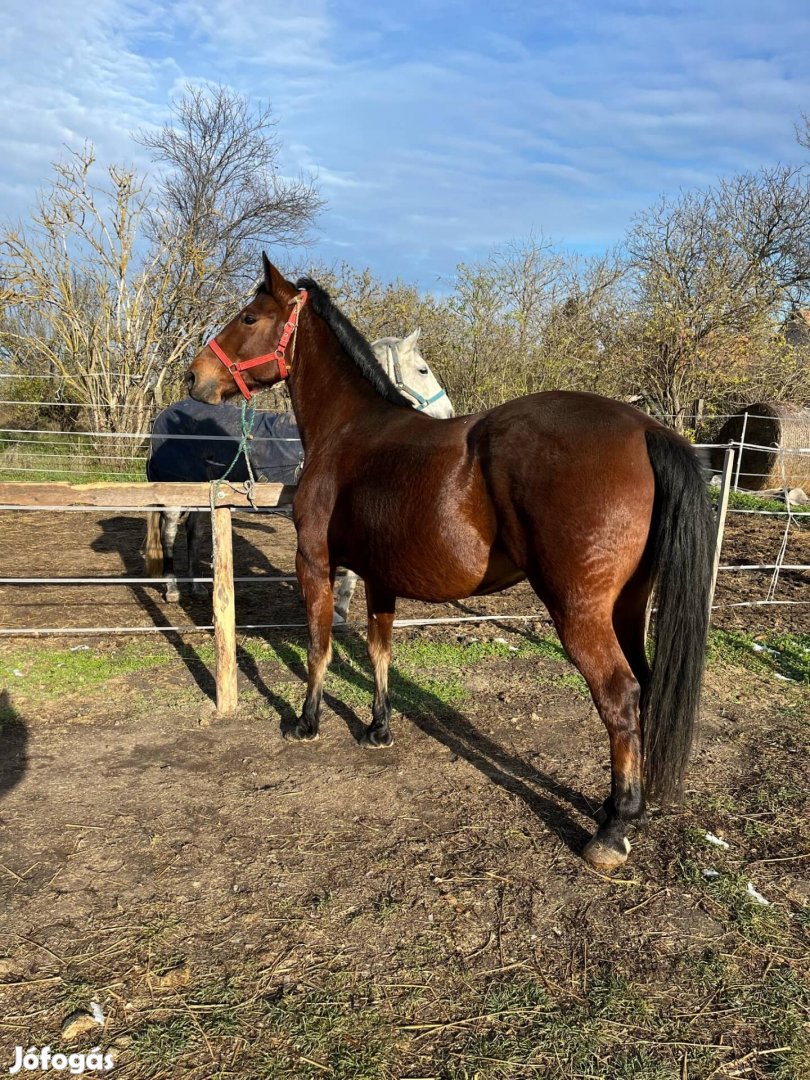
x=124, y=535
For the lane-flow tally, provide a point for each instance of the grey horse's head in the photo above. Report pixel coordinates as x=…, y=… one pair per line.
x=410, y=373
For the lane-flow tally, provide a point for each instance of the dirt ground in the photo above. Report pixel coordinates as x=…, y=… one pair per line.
x=241, y=907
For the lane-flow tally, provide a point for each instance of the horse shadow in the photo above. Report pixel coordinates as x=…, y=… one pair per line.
x=547, y=797
x=13, y=745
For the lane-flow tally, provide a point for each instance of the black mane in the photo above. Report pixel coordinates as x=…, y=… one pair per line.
x=352, y=341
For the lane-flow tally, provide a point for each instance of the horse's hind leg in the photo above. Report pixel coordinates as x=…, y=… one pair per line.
x=381, y=606
x=169, y=523
x=630, y=626
x=591, y=642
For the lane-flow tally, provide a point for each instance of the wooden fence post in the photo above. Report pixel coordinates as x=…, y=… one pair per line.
x=224, y=609
x=720, y=519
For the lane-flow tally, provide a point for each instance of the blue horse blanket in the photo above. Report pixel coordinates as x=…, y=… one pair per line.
x=195, y=442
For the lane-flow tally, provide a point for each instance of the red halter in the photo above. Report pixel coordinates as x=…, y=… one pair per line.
x=235, y=369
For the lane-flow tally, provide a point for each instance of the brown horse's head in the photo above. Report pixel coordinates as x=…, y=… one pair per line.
x=254, y=332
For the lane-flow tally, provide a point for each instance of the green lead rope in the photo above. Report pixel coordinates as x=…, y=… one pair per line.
x=247, y=423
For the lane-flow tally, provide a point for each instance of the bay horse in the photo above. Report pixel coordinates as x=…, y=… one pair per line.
x=591, y=500
x=194, y=442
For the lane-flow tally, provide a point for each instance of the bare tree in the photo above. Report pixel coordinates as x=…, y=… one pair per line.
x=714, y=272
x=221, y=197
x=528, y=318
x=123, y=281
x=75, y=275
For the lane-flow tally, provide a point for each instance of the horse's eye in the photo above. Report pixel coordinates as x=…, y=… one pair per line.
x=423, y=371
x=249, y=319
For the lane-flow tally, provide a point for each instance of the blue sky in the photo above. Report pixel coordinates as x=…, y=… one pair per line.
x=437, y=131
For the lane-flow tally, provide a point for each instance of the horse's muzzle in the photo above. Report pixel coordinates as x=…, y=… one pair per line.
x=206, y=390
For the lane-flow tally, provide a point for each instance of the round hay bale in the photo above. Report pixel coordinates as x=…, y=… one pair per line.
x=782, y=427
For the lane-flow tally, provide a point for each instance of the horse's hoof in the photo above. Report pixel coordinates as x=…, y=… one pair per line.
x=376, y=740
x=299, y=733
x=172, y=596
x=605, y=857
x=199, y=592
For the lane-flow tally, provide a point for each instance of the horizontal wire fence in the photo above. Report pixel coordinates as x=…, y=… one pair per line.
x=76, y=456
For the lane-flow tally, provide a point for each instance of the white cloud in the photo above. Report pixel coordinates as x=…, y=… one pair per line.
x=436, y=131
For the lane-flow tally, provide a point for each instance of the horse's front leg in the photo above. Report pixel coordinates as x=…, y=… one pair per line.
x=315, y=577
x=381, y=608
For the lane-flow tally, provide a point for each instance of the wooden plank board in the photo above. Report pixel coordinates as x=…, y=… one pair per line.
x=115, y=495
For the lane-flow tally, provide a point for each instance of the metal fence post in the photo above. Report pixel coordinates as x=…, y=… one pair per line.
x=720, y=519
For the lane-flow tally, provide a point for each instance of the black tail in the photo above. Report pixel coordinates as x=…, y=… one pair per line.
x=682, y=557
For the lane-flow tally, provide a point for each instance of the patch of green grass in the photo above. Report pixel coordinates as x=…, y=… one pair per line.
x=49, y=673
x=775, y=792
x=435, y=1017
x=787, y=655
x=415, y=654
x=425, y=676
x=627, y=1031
x=167, y=964
x=53, y=456
x=411, y=686
x=783, y=998
x=284, y=652
x=775, y=1004
x=428, y=674
x=747, y=500
x=522, y=1030
x=217, y=1006
x=337, y=1030
x=77, y=995
x=423, y=653
x=158, y=1046
x=349, y=1026
x=8, y=714
x=765, y=925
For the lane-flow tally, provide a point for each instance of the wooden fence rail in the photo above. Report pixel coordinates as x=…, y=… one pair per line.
x=21, y=495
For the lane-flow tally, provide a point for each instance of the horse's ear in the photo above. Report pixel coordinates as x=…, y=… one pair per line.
x=413, y=337
x=275, y=284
